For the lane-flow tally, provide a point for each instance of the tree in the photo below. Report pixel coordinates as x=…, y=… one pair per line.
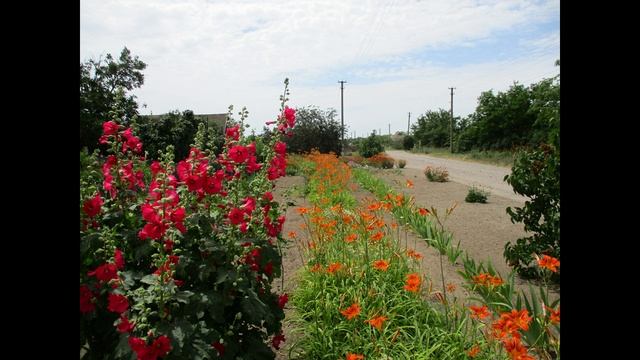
x=315, y=129
x=371, y=146
x=99, y=82
x=432, y=128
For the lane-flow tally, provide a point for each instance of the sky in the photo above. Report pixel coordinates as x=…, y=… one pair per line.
x=396, y=56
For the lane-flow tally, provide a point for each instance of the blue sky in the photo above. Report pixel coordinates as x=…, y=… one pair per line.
x=396, y=56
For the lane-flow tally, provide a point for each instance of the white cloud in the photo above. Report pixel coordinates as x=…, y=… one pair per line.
x=205, y=55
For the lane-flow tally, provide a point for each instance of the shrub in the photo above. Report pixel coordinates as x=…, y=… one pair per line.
x=437, y=174
x=315, y=129
x=180, y=265
x=535, y=174
x=476, y=195
x=381, y=161
x=371, y=146
x=402, y=164
x=408, y=142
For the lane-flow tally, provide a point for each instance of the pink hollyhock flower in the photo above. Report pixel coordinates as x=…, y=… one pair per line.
x=280, y=148
x=86, y=299
x=236, y=216
x=277, y=340
x=282, y=300
x=105, y=272
x=268, y=196
x=238, y=154
x=125, y=326
x=92, y=206
x=218, y=346
x=109, y=128
x=268, y=269
x=119, y=259
x=290, y=116
x=233, y=132
x=118, y=303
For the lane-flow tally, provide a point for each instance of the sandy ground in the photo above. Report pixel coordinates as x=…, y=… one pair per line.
x=464, y=172
x=483, y=230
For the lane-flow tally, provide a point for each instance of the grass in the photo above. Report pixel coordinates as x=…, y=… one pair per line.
x=491, y=157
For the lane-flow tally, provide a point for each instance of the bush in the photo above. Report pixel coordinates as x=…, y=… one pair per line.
x=402, y=164
x=535, y=174
x=381, y=161
x=371, y=146
x=476, y=195
x=180, y=265
x=315, y=129
x=438, y=174
x=408, y=142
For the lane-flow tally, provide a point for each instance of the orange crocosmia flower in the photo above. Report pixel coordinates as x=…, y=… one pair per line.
x=409, y=184
x=351, y=238
x=312, y=245
x=473, y=352
x=377, y=236
x=381, y=265
x=351, y=356
x=394, y=226
x=554, y=315
x=334, y=267
x=375, y=206
x=346, y=219
x=521, y=319
x=302, y=210
x=377, y=322
x=292, y=234
x=549, y=262
x=414, y=254
x=412, y=282
x=352, y=311
x=496, y=281
x=479, y=312
x=423, y=212
x=451, y=287
x=303, y=226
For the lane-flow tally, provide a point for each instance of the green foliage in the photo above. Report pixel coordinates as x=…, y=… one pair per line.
x=437, y=174
x=371, y=146
x=476, y=195
x=99, y=80
x=408, y=142
x=177, y=129
x=535, y=174
x=315, y=129
x=433, y=128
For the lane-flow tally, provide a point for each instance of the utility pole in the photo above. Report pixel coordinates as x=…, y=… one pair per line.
x=342, y=114
x=451, y=126
x=408, y=123
x=389, y=130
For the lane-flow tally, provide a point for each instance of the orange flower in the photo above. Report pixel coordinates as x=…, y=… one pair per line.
x=316, y=268
x=334, y=267
x=412, y=282
x=377, y=236
x=302, y=210
x=554, y=315
x=351, y=356
x=381, y=265
x=292, y=234
x=451, y=287
x=394, y=225
x=312, y=244
x=479, y=312
x=423, y=212
x=412, y=253
x=352, y=311
x=409, y=184
x=549, y=262
x=486, y=279
x=377, y=322
x=473, y=352
x=351, y=238
x=515, y=349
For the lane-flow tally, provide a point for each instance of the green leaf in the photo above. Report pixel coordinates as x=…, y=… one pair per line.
x=183, y=296
x=150, y=279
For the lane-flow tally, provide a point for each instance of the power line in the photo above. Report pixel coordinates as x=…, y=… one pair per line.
x=451, y=126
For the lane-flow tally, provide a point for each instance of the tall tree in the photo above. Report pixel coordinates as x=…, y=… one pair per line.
x=432, y=128
x=99, y=81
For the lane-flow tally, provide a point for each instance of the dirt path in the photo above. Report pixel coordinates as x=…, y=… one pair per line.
x=464, y=172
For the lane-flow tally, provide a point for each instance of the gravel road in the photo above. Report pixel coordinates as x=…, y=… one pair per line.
x=464, y=172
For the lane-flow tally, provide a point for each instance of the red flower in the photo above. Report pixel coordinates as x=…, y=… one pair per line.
x=290, y=116
x=119, y=259
x=218, y=346
x=233, y=132
x=238, y=154
x=268, y=269
x=86, y=299
x=118, y=303
x=282, y=300
x=125, y=325
x=277, y=340
x=268, y=196
x=161, y=346
x=109, y=128
x=236, y=216
x=92, y=206
x=280, y=148
x=105, y=272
